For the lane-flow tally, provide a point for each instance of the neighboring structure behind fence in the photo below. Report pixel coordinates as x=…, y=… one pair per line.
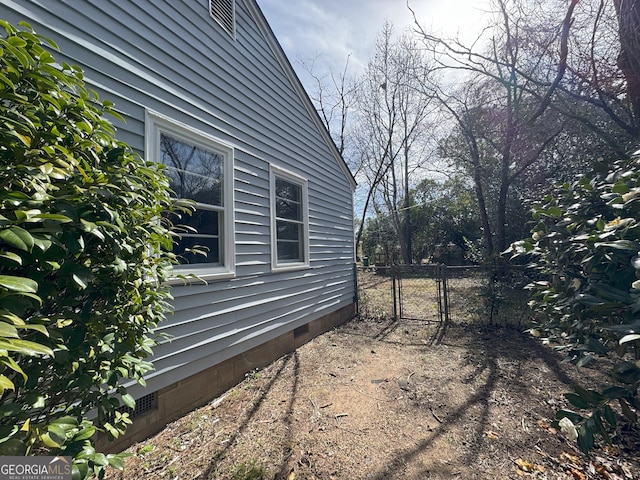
x=440, y=293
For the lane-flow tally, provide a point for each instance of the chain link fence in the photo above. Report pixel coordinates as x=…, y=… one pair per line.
x=493, y=294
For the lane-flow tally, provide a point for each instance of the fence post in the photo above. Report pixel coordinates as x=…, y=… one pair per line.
x=393, y=287
x=438, y=275
x=445, y=290
x=356, y=287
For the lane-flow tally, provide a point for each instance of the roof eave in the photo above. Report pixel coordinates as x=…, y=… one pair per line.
x=275, y=46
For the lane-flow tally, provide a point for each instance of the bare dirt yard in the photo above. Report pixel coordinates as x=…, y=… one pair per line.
x=378, y=399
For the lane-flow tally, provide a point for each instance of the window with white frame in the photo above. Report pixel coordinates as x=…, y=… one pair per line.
x=200, y=169
x=290, y=225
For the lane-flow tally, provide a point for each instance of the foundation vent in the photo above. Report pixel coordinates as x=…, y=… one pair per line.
x=143, y=404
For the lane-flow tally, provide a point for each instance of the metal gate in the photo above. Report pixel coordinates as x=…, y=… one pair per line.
x=439, y=293
x=413, y=292
x=420, y=293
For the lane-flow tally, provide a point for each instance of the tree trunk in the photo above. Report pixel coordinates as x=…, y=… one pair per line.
x=629, y=59
x=408, y=253
x=482, y=205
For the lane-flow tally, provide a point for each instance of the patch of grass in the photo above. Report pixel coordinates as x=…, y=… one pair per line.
x=146, y=449
x=251, y=470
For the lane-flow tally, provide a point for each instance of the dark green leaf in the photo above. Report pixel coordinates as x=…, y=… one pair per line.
x=117, y=461
x=57, y=433
x=585, y=436
x=599, y=427
x=627, y=412
x=577, y=401
x=85, y=434
x=18, y=284
x=610, y=416
x=613, y=393
x=585, y=360
x=79, y=471
x=13, y=447
x=573, y=416
x=590, y=396
x=100, y=459
x=17, y=237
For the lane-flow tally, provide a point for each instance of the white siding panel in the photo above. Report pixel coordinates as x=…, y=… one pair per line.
x=171, y=57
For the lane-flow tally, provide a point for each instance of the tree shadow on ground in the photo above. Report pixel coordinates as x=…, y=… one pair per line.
x=488, y=351
x=286, y=360
x=384, y=330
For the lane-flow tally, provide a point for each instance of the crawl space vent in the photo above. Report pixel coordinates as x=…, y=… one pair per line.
x=143, y=405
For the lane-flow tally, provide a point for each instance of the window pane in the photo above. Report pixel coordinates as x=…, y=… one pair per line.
x=288, y=231
x=287, y=209
x=212, y=244
x=287, y=190
x=204, y=221
x=289, y=243
x=289, y=251
x=193, y=172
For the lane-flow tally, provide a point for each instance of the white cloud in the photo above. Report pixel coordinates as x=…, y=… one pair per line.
x=332, y=30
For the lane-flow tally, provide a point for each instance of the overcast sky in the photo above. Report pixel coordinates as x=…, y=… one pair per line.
x=331, y=30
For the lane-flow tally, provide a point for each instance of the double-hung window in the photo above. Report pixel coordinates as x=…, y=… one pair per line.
x=290, y=224
x=200, y=169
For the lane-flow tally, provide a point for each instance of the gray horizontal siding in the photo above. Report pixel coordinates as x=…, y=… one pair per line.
x=171, y=57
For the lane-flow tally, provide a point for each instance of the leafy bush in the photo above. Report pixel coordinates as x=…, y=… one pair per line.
x=84, y=251
x=587, y=244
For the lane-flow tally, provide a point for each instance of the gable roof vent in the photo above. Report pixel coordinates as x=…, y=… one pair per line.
x=224, y=12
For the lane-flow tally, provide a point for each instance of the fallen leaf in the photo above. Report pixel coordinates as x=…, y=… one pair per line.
x=525, y=466
x=528, y=467
x=292, y=475
x=569, y=457
x=543, y=424
x=577, y=474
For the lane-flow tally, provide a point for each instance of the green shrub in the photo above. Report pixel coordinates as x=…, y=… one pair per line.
x=586, y=244
x=84, y=254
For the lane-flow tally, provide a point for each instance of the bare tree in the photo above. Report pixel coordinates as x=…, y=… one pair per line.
x=594, y=91
x=393, y=115
x=502, y=112
x=334, y=97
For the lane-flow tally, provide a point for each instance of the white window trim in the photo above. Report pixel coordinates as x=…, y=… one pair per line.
x=304, y=184
x=156, y=123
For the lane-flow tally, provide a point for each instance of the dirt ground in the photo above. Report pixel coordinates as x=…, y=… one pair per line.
x=383, y=400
